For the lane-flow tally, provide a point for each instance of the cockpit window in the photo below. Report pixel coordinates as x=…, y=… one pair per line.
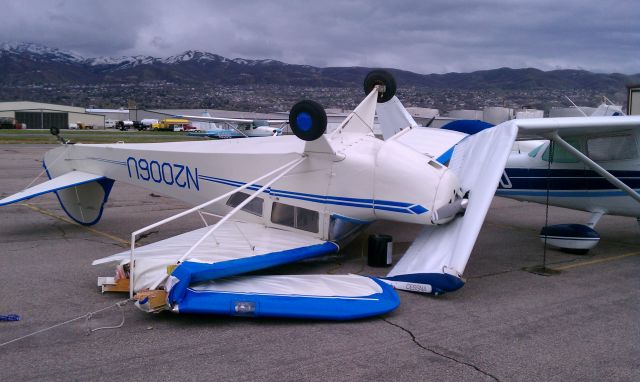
x=619, y=147
x=253, y=207
x=296, y=217
x=560, y=155
x=534, y=153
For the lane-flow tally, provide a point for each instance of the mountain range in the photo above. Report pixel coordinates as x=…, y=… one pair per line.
x=28, y=63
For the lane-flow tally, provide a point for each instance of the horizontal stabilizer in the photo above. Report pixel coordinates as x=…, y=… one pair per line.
x=434, y=263
x=330, y=297
x=70, y=179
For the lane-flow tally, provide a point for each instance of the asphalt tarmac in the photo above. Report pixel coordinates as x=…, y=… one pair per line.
x=505, y=324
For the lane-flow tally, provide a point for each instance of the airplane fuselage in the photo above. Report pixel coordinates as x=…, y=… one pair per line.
x=359, y=185
x=566, y=182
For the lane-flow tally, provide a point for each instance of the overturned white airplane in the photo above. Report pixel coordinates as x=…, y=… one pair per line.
x=288, y=199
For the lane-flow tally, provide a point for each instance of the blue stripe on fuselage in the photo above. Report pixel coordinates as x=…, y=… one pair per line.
x=386, y=205
x=530, y=181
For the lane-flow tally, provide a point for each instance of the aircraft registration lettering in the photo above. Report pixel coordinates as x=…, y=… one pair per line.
x=181, y=175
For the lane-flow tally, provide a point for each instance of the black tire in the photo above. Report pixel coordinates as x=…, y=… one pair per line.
x=308, y=120
x=54, y=130
x=384, y=78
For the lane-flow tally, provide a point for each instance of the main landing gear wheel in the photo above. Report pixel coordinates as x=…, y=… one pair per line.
x=383, y=78
x=308, y=120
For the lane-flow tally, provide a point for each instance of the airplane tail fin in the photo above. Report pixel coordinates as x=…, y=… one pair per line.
x=434, y=263
x=393, y=117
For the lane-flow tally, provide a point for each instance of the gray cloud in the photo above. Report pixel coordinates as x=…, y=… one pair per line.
x=424, y=36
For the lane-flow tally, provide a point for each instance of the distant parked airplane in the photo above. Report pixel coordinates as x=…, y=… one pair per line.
x=235, y=127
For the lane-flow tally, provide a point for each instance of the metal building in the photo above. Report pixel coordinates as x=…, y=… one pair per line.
x=465, y=114
x=529, y=113
x=38, y=115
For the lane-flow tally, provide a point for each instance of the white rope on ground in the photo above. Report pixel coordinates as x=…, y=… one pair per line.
x=90, y=315
x=87, y=315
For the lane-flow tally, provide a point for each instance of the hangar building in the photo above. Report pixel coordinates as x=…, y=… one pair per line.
x=38, y=115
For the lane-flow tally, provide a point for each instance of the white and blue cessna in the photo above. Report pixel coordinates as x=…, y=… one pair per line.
x=590, y=164
x=292, y=198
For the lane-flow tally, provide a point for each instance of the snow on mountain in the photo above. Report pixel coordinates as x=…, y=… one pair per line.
x=194, y=55
x=40, y=52
x=43, y=53
x=122, y=62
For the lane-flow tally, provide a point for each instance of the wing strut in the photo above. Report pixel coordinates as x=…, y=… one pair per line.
x=594, y=166
x=281, y=171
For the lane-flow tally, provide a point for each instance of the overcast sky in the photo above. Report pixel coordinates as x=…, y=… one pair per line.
x=425, y=36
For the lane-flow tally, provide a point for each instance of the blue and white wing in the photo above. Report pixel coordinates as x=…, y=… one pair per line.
x=210, y=280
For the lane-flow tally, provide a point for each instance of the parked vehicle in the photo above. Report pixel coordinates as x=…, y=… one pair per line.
x=173, y=124
x=124, y=125
x=9, y=123
x=148, y=123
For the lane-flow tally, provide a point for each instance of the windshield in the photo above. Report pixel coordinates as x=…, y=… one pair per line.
x=560, y=155
x=534, y=153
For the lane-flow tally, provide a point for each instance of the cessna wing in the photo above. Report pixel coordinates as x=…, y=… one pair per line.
x=436, y=260
x=208, y=282
x=541, y=128
x=236, y=247
x=231, y=120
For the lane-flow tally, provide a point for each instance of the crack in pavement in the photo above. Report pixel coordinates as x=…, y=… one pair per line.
x=62, y=231
x=97, y=240
x=21, y=249
x=414, y=339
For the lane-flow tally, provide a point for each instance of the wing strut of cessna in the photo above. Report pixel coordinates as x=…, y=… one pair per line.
x=305, y=196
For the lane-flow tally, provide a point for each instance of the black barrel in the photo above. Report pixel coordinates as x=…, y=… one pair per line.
x=380, y=251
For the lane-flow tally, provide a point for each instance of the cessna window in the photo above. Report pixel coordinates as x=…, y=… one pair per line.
x=253, y=207
x=533, y=153
x=560, y=155
x=618, y=147
x=296, y=217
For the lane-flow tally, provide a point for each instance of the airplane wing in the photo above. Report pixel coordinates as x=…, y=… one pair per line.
x=230, y=120
x=436, y=260
x=236, y=247
x=330, y=297
x=201, y=284
x=574, y=126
